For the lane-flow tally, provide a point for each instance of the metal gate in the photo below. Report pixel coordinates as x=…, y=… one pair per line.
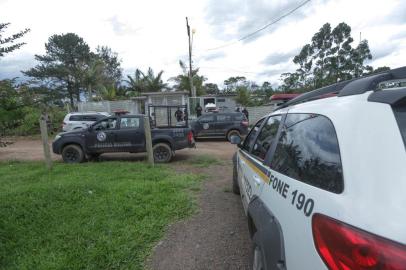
x=167, y=116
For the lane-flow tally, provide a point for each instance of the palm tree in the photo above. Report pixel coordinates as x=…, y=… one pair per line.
x=109, y=93
x=93, y=76
x=146, y=83
x=154, y=83
x=182, y=82
x=136, y=83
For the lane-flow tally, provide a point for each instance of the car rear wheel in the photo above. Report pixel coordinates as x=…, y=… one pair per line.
x=233, y=133
x=73, y=153
x=162, y=153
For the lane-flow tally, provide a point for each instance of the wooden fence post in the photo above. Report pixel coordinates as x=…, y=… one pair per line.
x=44, y=137
x=148, y=140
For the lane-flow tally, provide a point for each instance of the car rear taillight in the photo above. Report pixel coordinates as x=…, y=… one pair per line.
x=343, y=247
x=190, y=137
x=245, y=123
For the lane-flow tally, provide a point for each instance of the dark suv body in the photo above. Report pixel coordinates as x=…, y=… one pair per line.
x=220, y=125
x=120, y=134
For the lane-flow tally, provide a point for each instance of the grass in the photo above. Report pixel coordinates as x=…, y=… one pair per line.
x=104, y=215
x=204, y=161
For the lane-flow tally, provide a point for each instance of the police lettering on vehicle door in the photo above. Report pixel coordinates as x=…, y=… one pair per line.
x=101, y=136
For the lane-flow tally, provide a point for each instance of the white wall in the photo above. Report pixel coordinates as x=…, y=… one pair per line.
x=255, y=113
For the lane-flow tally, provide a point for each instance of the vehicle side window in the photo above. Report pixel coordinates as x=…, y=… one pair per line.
x=249, y=140
x=266, y=137
x=90, y=118
x=76, y=118
x=223, y=118
x=129, y=122
x=239, y=117
x=109, y=123
x=206, y=119
x=308, y=151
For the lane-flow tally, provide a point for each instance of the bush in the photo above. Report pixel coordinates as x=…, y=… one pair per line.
x=29, y=124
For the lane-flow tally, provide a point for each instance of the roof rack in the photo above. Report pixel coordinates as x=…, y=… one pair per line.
x=351, y=87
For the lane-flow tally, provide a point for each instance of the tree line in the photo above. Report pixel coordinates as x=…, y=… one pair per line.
x=70, y=72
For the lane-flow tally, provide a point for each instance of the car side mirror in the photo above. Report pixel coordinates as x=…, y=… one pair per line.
x=234, y=139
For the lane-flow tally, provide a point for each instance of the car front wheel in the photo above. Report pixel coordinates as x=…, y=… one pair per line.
x=162, y=153
x=233, y=133
x=73, y=153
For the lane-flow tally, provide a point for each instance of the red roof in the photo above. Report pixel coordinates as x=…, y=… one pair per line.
x=283, y=96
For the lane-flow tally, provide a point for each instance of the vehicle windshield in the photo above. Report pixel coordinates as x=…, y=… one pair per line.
x=400, y=113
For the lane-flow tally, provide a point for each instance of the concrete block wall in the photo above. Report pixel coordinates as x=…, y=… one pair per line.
x=255, y=113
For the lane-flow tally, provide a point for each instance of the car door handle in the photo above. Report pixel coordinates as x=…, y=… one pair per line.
x=257, y=180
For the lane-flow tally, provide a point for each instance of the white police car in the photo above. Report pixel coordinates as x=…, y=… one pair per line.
x=323, y=178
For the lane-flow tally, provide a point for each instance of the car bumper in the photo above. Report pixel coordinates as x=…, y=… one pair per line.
x=184, y=144
x=56, y=147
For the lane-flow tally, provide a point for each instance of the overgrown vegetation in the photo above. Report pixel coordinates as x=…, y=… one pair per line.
x=21, y=108
x=87, y=216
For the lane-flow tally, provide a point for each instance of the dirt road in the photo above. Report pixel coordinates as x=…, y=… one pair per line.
x=31, y=149
x=215, y=238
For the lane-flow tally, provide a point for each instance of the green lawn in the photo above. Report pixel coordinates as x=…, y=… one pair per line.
x=105, y=215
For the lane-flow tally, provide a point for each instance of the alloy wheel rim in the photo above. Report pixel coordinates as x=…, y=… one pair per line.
x=161, y=153
x=72, y=155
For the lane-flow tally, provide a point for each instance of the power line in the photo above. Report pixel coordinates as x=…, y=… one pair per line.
x=262, y=28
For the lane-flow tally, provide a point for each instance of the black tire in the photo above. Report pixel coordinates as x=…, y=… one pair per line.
x=73, y=153
x=233, y=132
x=258, y=258
x=162, y=152
x=236, y=187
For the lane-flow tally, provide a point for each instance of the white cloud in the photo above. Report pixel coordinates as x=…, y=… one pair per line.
x=153, y=33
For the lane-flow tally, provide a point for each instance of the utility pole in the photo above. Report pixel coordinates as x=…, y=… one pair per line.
x=192, y=89
x=148, y=140
x=45, y=144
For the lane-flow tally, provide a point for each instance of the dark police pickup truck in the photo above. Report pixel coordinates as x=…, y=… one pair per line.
x=120, y=134
x=220, y=125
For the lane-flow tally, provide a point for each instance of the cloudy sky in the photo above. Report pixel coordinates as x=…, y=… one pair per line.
x=153, y=33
